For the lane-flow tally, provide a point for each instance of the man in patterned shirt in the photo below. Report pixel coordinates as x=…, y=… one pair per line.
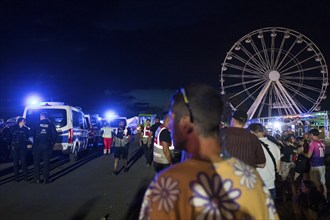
x=205, y=186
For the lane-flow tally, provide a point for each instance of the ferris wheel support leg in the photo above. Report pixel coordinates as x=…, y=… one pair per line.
x=289, y=98
x=257, y=101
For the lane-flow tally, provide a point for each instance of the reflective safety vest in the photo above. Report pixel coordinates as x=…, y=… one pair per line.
x=107, y=132
x=121, y=142
x=146, y=131
x=159, y=156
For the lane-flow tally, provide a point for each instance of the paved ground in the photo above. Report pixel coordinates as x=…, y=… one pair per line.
x=81, y=190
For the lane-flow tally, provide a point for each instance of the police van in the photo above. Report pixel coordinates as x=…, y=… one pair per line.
x=70, y=124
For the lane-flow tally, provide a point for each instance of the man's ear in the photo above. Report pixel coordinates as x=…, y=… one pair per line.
x=187, y=125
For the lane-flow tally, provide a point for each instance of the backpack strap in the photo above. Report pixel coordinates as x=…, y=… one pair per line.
x=270, y=154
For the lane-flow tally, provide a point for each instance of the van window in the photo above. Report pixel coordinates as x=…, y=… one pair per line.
x=95, y=122
x=57, y=116
x=78, y=119
x=88, y=125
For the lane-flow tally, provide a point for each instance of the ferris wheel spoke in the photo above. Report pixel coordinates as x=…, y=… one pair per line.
x=287, y=96
x=298, y=71
x=242, y=91
x=257, y=65
x=270, y=99
x=300, y=105
x=297, y=64
x=265, y=53
x=301, y=85
x=243, y=69
x=272, y=53
x=305, y=78
x=292, y=58
x=311, y=100
x=276, y=98
x=241, y=76
x=257, y=52
x=262, y=104
x=285, y=56
x=242, y=83
x=249, y=96
x=279, y=53
x=282, y=101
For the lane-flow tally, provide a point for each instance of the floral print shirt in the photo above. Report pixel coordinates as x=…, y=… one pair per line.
x=196, y=189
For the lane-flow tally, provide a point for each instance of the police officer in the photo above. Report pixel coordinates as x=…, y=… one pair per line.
x=19, y=135
x=44, y=138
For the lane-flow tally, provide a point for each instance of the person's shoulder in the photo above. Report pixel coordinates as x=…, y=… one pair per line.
x=165, y=130
x=26, y=127
x=240, y=131
x=182, y=169
x=313, y=143
x=272, y=145
x=154, y=126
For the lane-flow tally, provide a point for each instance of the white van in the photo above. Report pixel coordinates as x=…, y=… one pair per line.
x=70, y=124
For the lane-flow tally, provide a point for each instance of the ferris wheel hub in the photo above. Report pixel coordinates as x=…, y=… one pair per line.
x=274, y=75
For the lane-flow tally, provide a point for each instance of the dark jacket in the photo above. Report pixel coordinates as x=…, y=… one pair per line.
x=45, y=134
x=19, y=137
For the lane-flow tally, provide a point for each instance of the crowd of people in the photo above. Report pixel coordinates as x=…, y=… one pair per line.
x=203, y=170
x=272, y=169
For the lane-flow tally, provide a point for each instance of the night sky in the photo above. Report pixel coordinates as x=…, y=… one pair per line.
x=130, y=55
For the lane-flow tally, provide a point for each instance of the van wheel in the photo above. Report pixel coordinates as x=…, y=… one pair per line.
x=95, y=143
x=74, y=155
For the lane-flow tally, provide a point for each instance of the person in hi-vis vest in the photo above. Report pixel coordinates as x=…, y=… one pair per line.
x=107, y=138
x=163, y=146
x=121, y=139
x=147, y=150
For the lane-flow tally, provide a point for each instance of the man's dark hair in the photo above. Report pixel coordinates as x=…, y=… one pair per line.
x=256, y=128
x=206, y=107
x=157, y=117
x=314, y=132
x=44, y=114
x=20, y=119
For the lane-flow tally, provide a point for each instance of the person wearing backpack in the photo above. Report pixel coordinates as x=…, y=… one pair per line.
x=44, y=137
x=273, y=158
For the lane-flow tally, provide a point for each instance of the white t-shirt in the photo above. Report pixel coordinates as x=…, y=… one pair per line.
x=268, y=172
x=107, y=132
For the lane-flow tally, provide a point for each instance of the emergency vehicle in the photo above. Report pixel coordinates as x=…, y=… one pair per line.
x=70, y=124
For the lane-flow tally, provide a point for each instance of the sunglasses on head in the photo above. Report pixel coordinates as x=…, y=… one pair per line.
x=186, y=102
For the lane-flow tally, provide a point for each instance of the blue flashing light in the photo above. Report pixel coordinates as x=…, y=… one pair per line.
x=110, y=115
x=33, y=100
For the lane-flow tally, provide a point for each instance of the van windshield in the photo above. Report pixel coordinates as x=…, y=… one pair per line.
x=57, y=116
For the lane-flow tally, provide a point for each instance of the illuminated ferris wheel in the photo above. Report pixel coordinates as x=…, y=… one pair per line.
x=274, y=71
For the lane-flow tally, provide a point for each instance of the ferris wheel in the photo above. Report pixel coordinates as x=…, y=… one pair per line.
x=274, y=71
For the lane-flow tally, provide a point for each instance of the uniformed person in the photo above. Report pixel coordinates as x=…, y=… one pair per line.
x=19, y=135
x=44, y=138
